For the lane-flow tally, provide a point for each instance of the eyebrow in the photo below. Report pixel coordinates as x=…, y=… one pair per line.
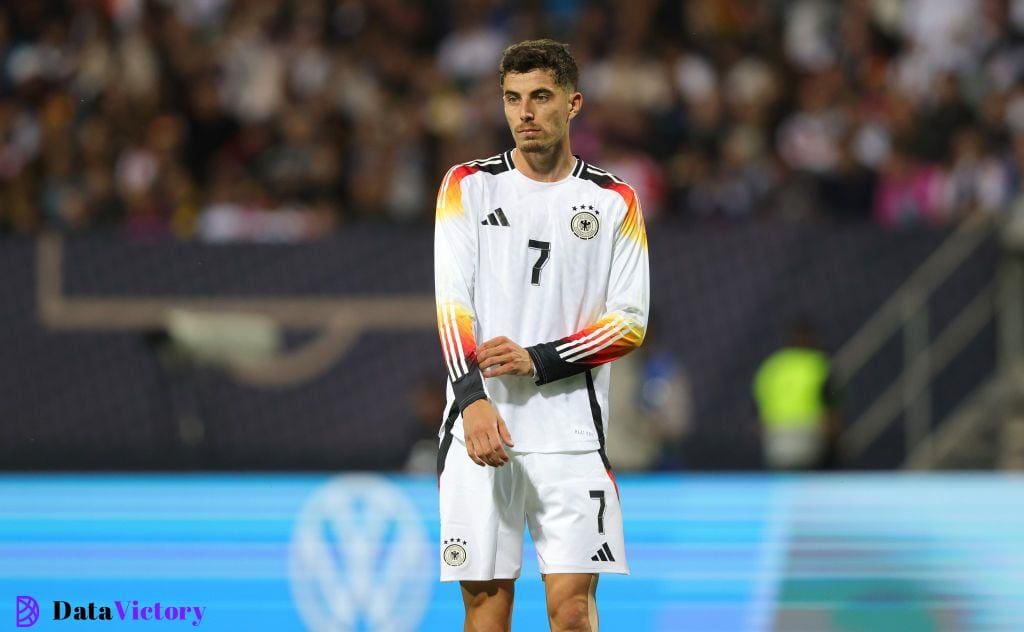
x=538, y=91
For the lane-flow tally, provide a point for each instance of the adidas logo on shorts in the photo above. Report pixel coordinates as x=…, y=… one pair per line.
x=604, y=554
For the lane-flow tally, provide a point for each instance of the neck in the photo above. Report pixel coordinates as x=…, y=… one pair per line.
x=547, y=166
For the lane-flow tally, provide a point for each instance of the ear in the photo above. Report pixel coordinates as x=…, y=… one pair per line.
x=575, y=104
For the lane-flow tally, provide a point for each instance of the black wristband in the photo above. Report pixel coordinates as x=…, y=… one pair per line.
x=550, y=366
x=469, y=388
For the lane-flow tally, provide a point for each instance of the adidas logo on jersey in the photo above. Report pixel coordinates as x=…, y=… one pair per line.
x=496, y=218
x=604, y=554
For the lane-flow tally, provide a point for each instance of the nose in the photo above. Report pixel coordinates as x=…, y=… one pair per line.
x=525, y=114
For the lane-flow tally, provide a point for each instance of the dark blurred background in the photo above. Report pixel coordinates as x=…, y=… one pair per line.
x=215, y=222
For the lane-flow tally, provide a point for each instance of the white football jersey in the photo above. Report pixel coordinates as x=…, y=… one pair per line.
x=558, y=267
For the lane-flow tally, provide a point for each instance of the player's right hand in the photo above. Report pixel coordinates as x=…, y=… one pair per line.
x=486, y=434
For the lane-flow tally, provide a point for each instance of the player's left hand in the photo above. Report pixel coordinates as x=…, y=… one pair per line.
x=501, y=356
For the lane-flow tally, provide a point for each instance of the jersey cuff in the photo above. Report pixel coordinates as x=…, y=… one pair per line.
x=550, y=366
x=469, y=388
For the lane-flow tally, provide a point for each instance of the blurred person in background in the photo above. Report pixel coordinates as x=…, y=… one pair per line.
x=426, y=402
x=797, y=404
x=910, y=192
x=651, y=401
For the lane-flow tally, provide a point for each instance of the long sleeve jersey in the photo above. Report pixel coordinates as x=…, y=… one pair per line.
x=560, y=268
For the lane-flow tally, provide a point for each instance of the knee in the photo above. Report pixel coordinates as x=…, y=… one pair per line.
x=487, y=619
x=486, y=624
x=571, y=615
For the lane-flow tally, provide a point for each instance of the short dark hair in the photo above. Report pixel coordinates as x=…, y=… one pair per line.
x=543, y=54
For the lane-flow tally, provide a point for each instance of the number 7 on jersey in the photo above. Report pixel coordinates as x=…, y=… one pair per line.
x=542, y=260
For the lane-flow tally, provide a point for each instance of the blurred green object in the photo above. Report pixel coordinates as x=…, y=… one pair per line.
x=789, y=388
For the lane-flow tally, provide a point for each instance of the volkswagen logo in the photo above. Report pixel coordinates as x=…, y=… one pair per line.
x=359, y=558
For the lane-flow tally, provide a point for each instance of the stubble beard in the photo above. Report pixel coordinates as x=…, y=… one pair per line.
x=545, y=144
x=531, y=146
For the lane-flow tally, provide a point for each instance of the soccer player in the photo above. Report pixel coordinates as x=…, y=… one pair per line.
x=543, y=258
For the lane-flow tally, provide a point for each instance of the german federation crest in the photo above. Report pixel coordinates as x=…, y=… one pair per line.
x=454, y=553
x=584, y=224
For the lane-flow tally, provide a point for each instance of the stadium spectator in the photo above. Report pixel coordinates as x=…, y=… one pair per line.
x=151, y=114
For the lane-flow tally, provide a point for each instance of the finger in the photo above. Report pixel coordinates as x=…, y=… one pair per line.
x=493, y=358
x=509, y=368
x=497, y=452
x=473, y=451
x=491, y=352
x=494, y=342
x=503, y=432
x=497, y=460
x=487, y=450
x=481, y=449
x=492, y=460
x=495, y=363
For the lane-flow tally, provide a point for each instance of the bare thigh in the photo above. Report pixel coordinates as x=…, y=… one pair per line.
x=488, y=605
x=571, y=601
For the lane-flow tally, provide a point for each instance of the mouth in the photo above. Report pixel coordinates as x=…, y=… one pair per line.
x=529, y=131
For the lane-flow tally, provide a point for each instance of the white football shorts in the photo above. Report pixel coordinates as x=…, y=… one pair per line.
x=569, y=500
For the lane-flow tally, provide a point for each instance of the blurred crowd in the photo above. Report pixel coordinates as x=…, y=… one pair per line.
x=284, y=120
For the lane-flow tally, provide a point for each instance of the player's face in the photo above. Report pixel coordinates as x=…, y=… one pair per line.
x=538, y=110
